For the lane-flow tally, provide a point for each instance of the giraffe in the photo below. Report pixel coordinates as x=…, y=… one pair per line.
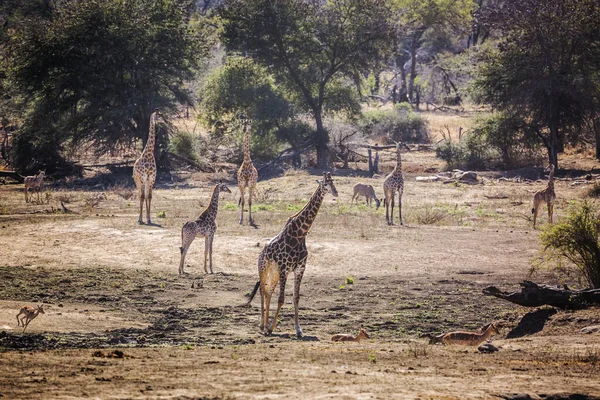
x=285, y=253
x=247, y=176
x=392, y=183
x=547, y=195
x=205, y=226
x=144, y=170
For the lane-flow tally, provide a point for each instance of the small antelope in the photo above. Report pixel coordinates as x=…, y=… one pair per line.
x=469, y=338
x=30, y=314
x=345, y=337
x=368, y=192
x=35, y=184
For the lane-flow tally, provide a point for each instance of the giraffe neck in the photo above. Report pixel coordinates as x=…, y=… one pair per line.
x=149, y=149
x=213, y=207
x=551, y=178
x=246, y=145
x=300, y=223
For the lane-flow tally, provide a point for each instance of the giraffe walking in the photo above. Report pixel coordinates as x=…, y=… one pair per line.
x=144, y=170
x=393, y=183
x=205, y=226
x=547, y=195
x=287, y=253
x=247, y=176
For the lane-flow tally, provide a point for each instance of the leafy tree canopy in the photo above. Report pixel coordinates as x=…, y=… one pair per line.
x=310, y=46
x=545, y=70
x=94, y=70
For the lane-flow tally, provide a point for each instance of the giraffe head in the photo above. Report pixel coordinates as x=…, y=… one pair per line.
x=327, y=184
x=223, y=187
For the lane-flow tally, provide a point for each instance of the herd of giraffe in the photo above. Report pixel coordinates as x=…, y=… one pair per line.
x=287, y=252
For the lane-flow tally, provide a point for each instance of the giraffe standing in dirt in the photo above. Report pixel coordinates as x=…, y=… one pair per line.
x=247, y=176
x=144, y=170
x=393, y=183
x=205, y=226
x=287, y=253
x=547, y=195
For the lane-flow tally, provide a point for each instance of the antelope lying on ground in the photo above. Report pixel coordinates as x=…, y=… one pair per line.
x=35, y=184
x=469, y=338
x=367, y=191
x=345, y=337
x=30, y=314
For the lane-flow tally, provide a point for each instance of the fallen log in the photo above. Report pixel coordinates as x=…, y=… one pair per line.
x=534, y=295
x=12, y=175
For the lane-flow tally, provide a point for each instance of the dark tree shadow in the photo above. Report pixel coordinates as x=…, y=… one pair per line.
x=531, y=323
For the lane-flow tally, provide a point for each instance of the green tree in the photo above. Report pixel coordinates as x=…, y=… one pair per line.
x=93, y=71
x=311, y=46
x=545, y=69
x=418, y=17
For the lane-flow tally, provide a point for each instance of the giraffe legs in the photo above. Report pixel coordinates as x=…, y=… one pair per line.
x=148, y=202
x=208, y=252
x=269, y=277
x=250, y=194
x=550, y=212
x=282, y=281
x=140, y=220
x=536, y=208
x=298, y=273
x=400, y=206
x=242, y=201
x=188, y=234
x=391, y=221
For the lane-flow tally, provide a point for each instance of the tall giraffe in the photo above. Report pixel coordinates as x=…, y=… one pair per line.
x=144, y=169
x=285, y=253
x=392, y=183
x=247, y=176
x=205, y=226
x=547, y=195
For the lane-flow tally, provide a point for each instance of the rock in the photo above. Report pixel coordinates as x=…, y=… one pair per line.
x=590, y=329
x=487, y=348
x=468, y=176
x=427, y=178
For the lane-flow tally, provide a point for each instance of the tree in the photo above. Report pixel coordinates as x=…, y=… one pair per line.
x=416, y=18
x=545, y=69
x=310, y=46
x=93, y=71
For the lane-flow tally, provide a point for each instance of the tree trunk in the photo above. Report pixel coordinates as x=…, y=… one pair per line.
x=534, y=295
x=553, y=147
x=321, y=140
x=414, y=46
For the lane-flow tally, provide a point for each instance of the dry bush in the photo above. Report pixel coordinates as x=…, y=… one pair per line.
x=430, y=215
x=417, y=349
x=65, y=197
x=123, y=191
x=92, y=201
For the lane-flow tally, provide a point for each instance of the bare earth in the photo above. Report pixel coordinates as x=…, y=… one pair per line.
x=122, y=324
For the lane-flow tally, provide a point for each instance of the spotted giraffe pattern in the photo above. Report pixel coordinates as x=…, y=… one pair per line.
x=393, y=183
x=547, y=196
x=144, y=170
x=205, y=226
x=287, y=253
x=247, y=176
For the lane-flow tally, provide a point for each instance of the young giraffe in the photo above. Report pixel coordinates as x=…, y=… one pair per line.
x=285, y=253
x=547, y=195
x=205, y=226
x=247, y=176
x=144, y=170
x=392, y=183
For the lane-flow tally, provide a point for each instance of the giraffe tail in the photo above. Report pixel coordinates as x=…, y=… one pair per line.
x=181, y=250
x=253, y=293
x=533, y=210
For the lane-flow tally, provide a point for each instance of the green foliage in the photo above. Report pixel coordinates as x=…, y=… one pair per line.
x=400, y=125
x=310, y=47
x=93, y=71
x=349, y=280
x=543, y=72
x=576, y=239
x=183, y=144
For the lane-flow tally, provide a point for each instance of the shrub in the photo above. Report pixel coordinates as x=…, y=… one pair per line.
x=401, y=124
x=576, y=240
x=183, y=144
x=470, y=152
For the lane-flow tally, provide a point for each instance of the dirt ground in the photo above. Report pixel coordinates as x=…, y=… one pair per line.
x=121, y=323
